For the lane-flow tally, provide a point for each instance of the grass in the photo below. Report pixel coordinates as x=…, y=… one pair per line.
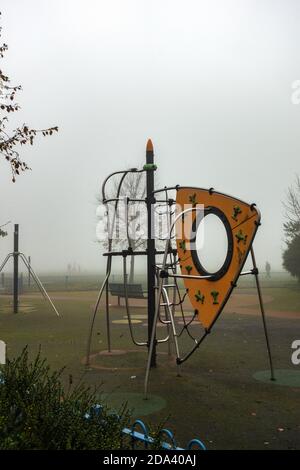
x=216, y=398
x=285, y=299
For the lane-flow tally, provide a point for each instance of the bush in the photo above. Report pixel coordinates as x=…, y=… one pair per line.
x=291, y=257
x=37, y=413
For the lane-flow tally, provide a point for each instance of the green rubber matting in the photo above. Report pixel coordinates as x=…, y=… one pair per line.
x=286, y=377
x=135, y=402
x=138, y=316
x=125, y=322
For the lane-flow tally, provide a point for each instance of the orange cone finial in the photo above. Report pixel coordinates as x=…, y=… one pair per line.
x=149, y=147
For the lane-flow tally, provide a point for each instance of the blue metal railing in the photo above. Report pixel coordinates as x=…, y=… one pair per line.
x=145, y=440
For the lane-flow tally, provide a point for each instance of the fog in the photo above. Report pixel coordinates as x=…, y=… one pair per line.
x=209, y=81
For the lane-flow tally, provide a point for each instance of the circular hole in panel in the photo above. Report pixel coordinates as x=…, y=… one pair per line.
x=211, y=243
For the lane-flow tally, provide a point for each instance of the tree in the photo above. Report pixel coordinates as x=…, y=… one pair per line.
x=22, y=135
x=38, y=413
x=134, y=188
x=3, y=233
x=291, y=255
x=131, y=228
x=292, y=210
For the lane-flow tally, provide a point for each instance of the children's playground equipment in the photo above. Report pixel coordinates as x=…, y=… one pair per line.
x=208, y=290
x=16, y=255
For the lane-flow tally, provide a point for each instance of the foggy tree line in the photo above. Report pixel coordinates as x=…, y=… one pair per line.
x=291, y=254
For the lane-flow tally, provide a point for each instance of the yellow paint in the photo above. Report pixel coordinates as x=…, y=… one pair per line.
x=241, y=217
x=125, y=322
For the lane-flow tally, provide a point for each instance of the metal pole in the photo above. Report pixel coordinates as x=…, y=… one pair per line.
x=150, y=249
x=16, y=269
x=262, y=309
x=152, y=341
x=107, y=317
x=106, y=279
x=38, y=282
x=21, y=284
x=29, y=276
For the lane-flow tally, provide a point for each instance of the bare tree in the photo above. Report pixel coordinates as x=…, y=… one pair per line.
x=292, y=211
x=291, y=255
x=22, y=135
x=2, y=233
x=131, y=226
x=129, y=231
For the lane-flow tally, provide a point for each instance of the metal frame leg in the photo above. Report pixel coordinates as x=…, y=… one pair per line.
x=34, y=276
x=152, y=339
x=262, y=309
x=5, y=261
x=137, y=343
x=107, y=317
x=38, y=282
x=174, y=332
x=104, y=283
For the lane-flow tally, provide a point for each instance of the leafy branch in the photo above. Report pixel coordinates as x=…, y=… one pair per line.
x=23, y=135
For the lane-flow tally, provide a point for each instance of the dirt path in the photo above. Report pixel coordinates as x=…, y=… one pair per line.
x=240, y=303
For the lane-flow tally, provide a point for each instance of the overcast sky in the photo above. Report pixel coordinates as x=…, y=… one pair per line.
x=209, y=81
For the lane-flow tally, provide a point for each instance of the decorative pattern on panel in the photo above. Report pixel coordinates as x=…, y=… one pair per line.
x=209, y=296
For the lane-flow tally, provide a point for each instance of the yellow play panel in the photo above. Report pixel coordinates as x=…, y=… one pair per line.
x=240, y=221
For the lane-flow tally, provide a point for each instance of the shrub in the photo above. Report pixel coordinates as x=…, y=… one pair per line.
x=37, y=413
x=291, y=257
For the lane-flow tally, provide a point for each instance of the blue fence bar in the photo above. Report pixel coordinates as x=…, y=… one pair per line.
x=146, y=440
x=143, y=438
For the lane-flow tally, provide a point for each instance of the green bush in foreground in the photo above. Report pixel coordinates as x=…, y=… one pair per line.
x=37, y=413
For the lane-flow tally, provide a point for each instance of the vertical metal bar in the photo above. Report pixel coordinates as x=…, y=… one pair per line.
x=170, y=316
x=106, y=280
x=127, y=304
x=38, y=283
x=5, y=261
x=29, y=274
x=174, y=269
x=21, y=284
x=262, y=309
x=107, y=309
x=156, y=314
x=151, y=344
x=150, y=249
x=16, y=269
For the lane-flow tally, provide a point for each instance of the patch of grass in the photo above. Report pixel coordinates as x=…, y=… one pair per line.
x=37, y=412
x=285, y=299
x=216, y=397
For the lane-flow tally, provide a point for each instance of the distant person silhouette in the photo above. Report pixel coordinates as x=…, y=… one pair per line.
x=268, y=270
